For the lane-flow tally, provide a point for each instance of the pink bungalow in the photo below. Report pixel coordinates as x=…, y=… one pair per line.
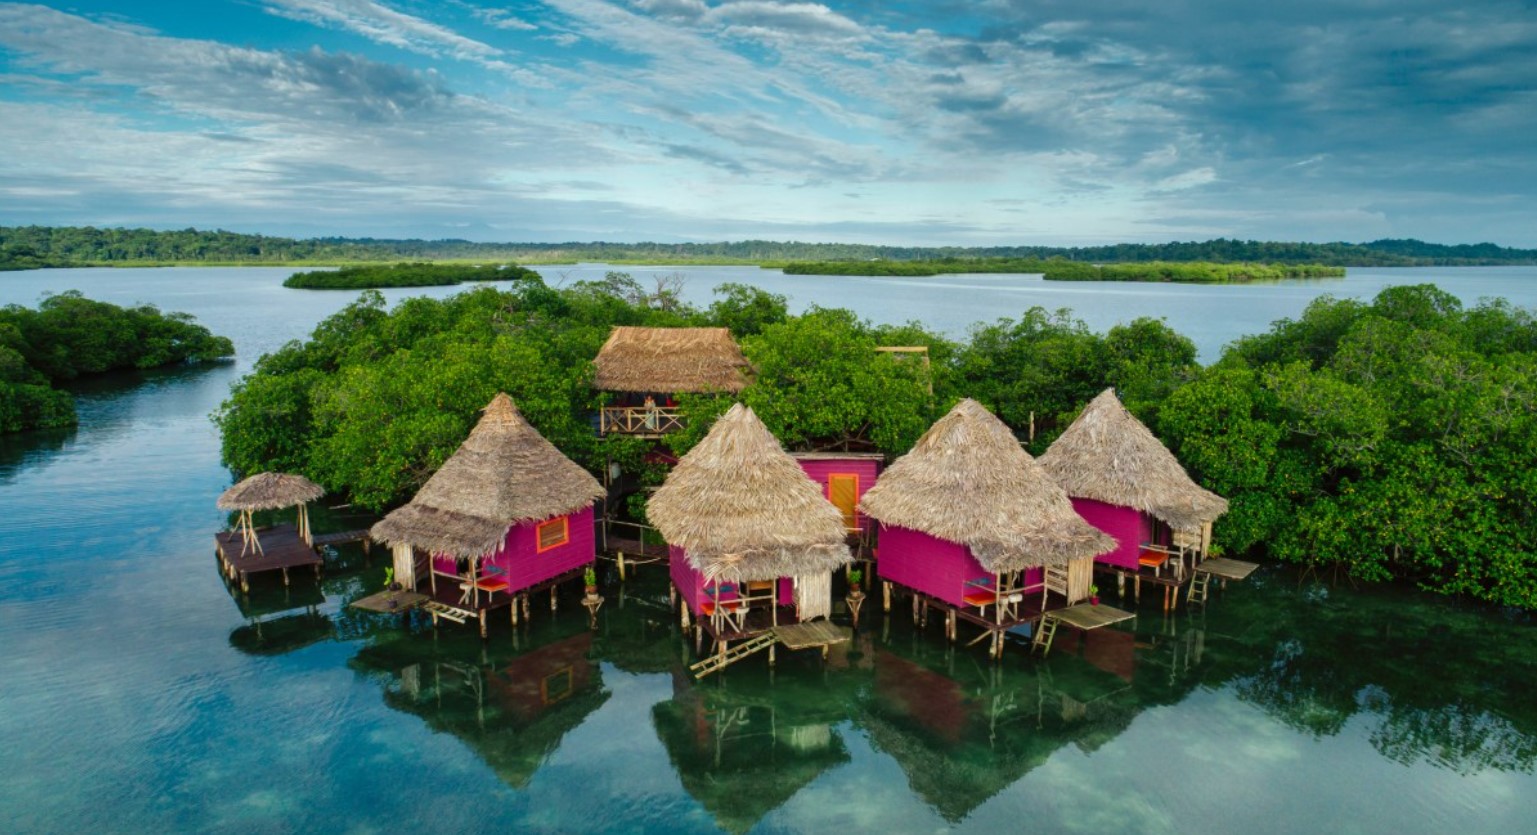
x=970, y=519
x=506, y=514
x=749, y=533
x=845, y=477
x=1127, y=484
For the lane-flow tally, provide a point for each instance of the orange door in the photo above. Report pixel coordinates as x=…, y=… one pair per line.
x=843, y=492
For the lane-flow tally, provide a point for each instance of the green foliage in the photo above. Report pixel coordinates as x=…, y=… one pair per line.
x=1387, y=440
x=747, y=310
x=406, y=275
x=1061, y=269
x=69, y=336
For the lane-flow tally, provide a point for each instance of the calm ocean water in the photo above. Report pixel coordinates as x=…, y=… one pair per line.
x=141, y=695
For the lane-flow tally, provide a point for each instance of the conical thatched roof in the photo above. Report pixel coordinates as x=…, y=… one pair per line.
x=744, y=510
x=968, y=481
x=270, y=491
x=670, y=360
x=504, y=473
x=1109, y=456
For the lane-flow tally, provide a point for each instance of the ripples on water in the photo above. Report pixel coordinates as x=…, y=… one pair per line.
x=139, y=694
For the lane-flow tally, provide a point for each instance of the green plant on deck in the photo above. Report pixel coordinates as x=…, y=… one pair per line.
x=855, y=575
x=389, y=577
x=590, y=577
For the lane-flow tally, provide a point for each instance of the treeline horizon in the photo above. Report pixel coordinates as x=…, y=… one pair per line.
x=33, y=247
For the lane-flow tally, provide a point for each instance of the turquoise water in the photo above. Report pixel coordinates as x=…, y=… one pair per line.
x=141, y=695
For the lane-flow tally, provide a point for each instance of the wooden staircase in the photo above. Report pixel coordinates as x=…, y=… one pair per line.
x=722, y=660
x=1199, y=586
x=443, y=610
x=1045, y=634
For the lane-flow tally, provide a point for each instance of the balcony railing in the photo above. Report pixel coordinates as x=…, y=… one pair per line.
x=642, y=421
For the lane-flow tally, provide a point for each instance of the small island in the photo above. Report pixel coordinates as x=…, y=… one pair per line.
x=420, y=274
x=70, y=336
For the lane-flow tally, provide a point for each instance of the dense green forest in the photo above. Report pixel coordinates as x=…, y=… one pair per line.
x=1059, y=269
x=1383, y=439
x=417, y=274
x=26, y=247
x=70, y=336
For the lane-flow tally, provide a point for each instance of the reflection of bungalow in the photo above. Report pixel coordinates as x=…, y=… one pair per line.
x=748, y=531
x=505, y=515
x=742, y=758
x=845, y=477
x=513, y=714
x=646, y=368
x=971, y=523
x=1127, y=484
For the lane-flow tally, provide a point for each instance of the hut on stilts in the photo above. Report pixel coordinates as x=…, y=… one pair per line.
x=1125, y=482
x=286, y=546
x=973, y=527
x=505, y=516
x=646, y=368
x=749, y=533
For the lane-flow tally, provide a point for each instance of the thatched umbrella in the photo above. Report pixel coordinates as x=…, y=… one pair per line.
x=1109, y=456
x=670, y=360
x=744, y=510
x=270, y=491
x=504, y=474
x=968, y=481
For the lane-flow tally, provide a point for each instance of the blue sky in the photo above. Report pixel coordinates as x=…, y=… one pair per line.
x=968, y=123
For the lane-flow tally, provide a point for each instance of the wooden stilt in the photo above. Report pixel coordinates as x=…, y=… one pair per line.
x=525, y=605
x=482, y=623
x=285, y=576
x=552, y=598
x=698, y=639
x=950, y=625
x=886, y=596
x=771, y=655
x=621, y=566
x=1136, y=589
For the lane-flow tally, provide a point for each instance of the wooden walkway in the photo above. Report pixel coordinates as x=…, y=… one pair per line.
x=281, y=549
x=1081, y=616
x=342, y=537
x=818, y=634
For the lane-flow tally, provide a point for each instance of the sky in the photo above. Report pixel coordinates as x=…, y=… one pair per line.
x=974, y=123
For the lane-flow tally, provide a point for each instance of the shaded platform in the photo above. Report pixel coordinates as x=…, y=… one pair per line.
x=281, y=549
x=1227, y=569
x=380, y=602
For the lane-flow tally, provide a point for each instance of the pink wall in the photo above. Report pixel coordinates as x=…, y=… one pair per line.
x=932, y=565
x=520, y=560
x=866, y=468
x=1128, y=525
x=691, y=584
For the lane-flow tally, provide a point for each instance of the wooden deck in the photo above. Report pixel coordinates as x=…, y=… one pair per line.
x=1084, y=616
x=1026, y=612
x=282, y=549
x=817, y=633
x=795, y=636
x=380, y=602
x=342, y=537
x=1227, y=569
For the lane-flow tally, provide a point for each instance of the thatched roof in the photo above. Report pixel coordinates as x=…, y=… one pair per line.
x=270, y=491
x=670, y=360
x=968, y=481
x=744, y=510
x=1110, y=456
x=505, y=473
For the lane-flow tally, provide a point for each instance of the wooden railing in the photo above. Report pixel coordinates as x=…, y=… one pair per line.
x=639, y=420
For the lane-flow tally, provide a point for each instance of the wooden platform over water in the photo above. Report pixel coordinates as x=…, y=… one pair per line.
x=380, y=602
x=343, y=537
x=817, y=633
x=1086, y=616
x=281, y=550
x=1227, y=569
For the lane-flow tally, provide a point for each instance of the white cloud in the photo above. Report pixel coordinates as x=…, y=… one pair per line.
x=382, y=24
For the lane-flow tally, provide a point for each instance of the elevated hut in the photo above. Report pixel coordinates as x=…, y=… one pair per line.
x=747, y=530
x=278, y=548
x=1125, y=482
x=646, y=368
x=968, y=518
x=506, y=514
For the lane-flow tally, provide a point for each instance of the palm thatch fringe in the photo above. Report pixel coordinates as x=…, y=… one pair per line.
x=270, y=491
x=670, y=360
x=742, y=509
x=968, y=481
x=505, y=473
x=1109, y=456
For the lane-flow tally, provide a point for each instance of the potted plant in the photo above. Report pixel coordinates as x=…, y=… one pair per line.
x=855, y=575
x=590, y=580
x=1093, y=595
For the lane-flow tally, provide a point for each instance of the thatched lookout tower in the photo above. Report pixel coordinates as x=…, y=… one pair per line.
x=647, y=367
x=507, y=504
x=969, y=518
x=746, y=526
x=1126, y=482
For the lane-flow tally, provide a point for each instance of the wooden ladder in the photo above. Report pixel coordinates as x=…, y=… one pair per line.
x=444, y=611
x=722, y=660
x=1198, y=588
x=1045, y=634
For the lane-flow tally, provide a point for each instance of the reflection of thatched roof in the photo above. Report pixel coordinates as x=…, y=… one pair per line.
x=1109, y=456
x=968, y=481
x=504, y=473
x=743, y=509
x=270, y=491
x=670, y=360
